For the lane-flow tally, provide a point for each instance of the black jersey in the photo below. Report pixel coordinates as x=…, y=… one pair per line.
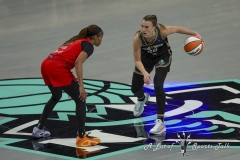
x=158, y=49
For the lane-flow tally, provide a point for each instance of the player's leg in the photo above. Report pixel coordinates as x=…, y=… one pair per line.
x=82, y=139
x=137, y=89
x=159, y=78
x=40, y=131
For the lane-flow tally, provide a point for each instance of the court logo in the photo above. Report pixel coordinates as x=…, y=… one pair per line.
x=184, y=141
x=208, y=113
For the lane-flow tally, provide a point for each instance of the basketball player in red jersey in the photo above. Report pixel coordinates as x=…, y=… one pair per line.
x=57, y=75
x=151, y=49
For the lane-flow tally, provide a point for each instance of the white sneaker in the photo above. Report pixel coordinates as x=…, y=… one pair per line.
x=40, y=133
x=139, y=107
x=158, y=138
x=139, y=127
x=37, y=145
x=159, y=127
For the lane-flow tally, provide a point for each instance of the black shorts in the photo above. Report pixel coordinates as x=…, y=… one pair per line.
x=149, y=63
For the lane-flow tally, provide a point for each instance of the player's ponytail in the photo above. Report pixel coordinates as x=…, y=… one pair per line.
x=86, y=32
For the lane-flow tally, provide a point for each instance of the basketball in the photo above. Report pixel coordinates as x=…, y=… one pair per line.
x=193, y=45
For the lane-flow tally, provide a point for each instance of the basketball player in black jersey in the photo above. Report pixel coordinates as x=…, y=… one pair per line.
x=151, y=50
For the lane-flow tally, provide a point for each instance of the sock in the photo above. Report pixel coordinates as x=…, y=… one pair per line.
x=141, y=99
x=161, y=118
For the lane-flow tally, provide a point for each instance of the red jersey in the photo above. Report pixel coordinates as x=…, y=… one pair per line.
x=56, y=71
x=69, y=53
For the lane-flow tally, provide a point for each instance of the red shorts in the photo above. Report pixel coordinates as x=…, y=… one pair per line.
x=56, y=73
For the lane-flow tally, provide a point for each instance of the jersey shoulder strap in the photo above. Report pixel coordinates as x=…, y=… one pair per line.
x=158, y=28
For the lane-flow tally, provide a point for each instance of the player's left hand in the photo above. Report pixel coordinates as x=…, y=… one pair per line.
x=83, y=94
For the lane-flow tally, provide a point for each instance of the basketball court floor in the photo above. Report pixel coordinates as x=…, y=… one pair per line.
x=203, y=92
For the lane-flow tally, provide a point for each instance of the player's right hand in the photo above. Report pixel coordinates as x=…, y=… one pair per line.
x=147, y=78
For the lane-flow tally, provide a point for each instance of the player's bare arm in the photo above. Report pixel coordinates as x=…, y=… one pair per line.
x=178, y=29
